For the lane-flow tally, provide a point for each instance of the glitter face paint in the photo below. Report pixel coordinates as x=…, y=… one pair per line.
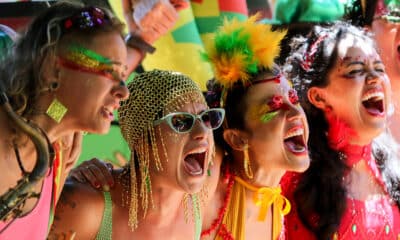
x=266, y=112
x=352, y=67
x=85, y=60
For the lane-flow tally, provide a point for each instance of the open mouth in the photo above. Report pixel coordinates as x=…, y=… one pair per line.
x=373, y=103
x=194, y=163
x=294, y=141
x=108, y=113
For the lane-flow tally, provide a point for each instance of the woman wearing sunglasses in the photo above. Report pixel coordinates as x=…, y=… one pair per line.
x=168, y=127
x=264, y=134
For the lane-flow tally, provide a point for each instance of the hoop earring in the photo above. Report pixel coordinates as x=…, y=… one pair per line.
x=246, y=162
x=56, y=110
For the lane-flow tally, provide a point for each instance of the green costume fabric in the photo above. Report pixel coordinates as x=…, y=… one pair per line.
x=291, y=11
x=105, y=231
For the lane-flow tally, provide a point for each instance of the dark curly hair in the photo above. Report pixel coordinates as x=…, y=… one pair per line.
x=327, y=168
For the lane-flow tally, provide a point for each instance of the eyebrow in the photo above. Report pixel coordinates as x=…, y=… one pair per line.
x=78, y=49
x=355, y=63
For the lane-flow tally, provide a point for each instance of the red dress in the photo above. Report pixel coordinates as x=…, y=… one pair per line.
x=375, y=219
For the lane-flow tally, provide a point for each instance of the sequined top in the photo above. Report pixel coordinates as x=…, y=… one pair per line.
x=375, y=218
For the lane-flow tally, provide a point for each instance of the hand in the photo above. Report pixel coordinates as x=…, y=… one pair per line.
x=96, y=172
x=158, y=20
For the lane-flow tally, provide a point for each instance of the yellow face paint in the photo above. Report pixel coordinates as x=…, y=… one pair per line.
x=85, y=60
x=266, y=112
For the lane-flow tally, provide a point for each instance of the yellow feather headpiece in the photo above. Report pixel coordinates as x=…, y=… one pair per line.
x=240, y=50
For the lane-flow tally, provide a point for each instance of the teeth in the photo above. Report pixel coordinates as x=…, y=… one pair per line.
x=377, y=95
x=106, y=109
x=298, y=132
x=200, y=151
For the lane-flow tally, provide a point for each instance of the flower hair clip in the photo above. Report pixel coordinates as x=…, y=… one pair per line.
x=88, y=18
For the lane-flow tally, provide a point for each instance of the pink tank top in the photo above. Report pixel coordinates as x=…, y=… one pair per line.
x=35, y=224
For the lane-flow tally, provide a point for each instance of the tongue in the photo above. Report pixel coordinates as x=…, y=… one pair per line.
x=374, y=108
x=374, y=111
x=295, y=148
x=192, y=166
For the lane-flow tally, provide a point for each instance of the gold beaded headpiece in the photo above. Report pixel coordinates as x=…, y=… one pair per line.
x=152, y=95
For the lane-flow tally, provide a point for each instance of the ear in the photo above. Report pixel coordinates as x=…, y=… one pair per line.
x=316, y=96
x=50, y=68
x=235, y=138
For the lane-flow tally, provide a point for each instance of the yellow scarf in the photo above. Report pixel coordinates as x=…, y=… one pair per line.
x=264, y=197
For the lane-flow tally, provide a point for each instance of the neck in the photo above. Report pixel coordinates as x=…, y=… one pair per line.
x=53, y=130
x=262, y=176
x=267, y=177
x=167, y=204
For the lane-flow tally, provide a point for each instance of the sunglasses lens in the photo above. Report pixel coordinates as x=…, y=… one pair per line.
x=213, y=118
x=182, y=122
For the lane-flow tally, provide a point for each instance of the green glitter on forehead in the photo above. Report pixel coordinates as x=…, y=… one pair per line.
x=89, y=53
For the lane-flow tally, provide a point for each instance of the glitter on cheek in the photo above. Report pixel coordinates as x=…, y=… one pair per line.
x=262, y=113
x=268, y=116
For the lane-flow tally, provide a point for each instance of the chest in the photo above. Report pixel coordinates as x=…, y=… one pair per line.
x=377, y=218
x=176, y=229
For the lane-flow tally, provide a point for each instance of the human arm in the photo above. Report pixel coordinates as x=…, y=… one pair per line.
x=78, y=213
x=154, y=23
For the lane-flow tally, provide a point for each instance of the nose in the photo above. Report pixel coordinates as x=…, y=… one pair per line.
x=199, y=131
x=372, y=78
x=121, y=91
x=294, y=112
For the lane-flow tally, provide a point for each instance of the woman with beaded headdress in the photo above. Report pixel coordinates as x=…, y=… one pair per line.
x=170, y=153
x=351, y=190
x=264, y=133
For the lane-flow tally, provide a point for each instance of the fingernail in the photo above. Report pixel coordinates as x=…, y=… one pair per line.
x=96, y=184
x=106, y=188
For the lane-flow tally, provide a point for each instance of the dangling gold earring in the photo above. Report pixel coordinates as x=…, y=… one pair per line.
x=246, y=161
x=209, y=169
x=56, y=110
x=211, y=163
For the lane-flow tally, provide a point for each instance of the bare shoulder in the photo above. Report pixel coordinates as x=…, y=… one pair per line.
x=79, y=212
